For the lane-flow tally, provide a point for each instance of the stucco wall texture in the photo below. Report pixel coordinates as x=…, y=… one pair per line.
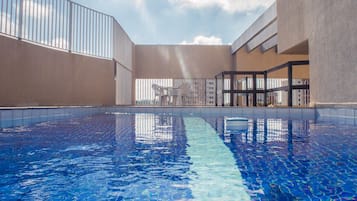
x=124, y=56
x=330, y=28
x=256, y=60
x=181, y=61
x=31, y=75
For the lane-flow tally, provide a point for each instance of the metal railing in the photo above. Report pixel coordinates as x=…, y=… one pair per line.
x=199, y=92
x=60, y=24
x=250, y=89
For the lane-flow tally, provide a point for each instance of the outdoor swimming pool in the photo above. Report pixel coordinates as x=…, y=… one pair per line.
x=153, y=156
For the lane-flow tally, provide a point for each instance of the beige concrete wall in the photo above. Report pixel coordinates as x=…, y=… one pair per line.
x=181, y=61
x=124, y=86
x=257, y=60
x=333, y=48
x=291, y=25
x=123, y=47
x=33, y=75
x=133, y=73
x=330, y=28
x=124, y=56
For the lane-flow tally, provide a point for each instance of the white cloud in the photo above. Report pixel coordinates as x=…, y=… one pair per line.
x=204, y=40
x=145, y=15
x=230, y=6
x=140, y=4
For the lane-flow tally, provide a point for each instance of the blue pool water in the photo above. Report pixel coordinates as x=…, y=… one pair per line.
x=172, y=157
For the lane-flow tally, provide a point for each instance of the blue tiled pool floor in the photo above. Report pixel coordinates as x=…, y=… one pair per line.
x=296, y=160
x=167, y=157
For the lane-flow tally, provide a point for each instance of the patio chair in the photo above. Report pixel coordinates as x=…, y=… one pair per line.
x=161, y=93
x=184, y=92
x=173, y=94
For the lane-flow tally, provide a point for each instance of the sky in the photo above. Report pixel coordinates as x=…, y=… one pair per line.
x=182, y=21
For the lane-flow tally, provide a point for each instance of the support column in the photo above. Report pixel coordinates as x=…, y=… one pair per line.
x=254, y=89
x=246, y=94
x=231, y=89
x=222, y=89
x=265, y=89
x=216, y=97
x=290, y=84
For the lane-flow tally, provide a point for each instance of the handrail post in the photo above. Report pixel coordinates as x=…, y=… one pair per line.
x=70, y=29
x=19, y=37
x=265, y=88
x=290, y=84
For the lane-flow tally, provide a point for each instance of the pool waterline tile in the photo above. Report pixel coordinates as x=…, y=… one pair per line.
x=294, y=113
x=7, y=114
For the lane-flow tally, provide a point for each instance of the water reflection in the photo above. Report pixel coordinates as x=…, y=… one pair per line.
x=153, y=128
x=150, y=158
x=265, y=131
x=271, y=154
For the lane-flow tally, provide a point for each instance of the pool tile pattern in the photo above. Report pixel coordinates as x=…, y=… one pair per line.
x=297, y=160
x=286, y=154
